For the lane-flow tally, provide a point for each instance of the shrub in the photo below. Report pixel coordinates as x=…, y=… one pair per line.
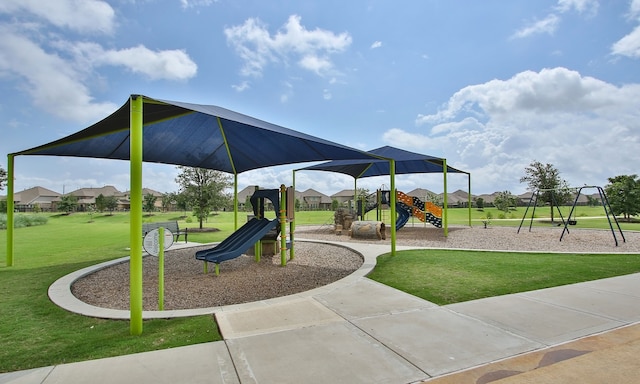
x=21, y=220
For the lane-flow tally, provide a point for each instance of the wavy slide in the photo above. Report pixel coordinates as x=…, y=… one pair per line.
x=239, y=241
x=407, y=205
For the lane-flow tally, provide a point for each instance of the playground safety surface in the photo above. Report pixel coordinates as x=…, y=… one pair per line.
x=359, y=331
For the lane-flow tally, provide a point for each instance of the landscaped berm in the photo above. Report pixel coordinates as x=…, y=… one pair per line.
x=243, y=280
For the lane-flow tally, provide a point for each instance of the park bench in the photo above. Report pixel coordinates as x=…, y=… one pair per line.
x=170, y=225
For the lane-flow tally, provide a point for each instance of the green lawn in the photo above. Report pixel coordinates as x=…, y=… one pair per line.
x=586, y=217
x=35, y=332
x=451, y=276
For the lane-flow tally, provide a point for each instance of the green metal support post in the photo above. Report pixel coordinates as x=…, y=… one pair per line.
x=161, y=269
x=283, y=225
x=135, y=214
x=469, y=195
x=392, y=197
x=291, y=216
x=445, y=203
x=292, y=224
x=10, y=210
x=235, y=201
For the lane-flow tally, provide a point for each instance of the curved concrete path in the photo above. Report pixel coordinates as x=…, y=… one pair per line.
x=359, y=331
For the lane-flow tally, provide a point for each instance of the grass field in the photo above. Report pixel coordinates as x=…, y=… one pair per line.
x=450, y=276
x=35, y=332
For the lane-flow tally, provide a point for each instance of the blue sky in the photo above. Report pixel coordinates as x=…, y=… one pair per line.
x=489, y=85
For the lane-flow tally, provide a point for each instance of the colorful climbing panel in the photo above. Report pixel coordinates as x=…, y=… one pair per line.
x=426, y=212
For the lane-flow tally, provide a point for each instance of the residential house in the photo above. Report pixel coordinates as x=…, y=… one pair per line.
x=32, y=198
x=344, y=197
x=243, y=199
x=313, y=200
x=87, y=197
x=424, y=195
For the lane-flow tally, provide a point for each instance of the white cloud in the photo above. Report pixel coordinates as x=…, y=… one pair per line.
x=311, y=49
x=58, y=74
x=51, y=82
x=326, y=94
x=629, y=45
x=167, y=64
x=589, y=129
x=77, y=15
x=550, y=24
x=548, y=91
x=185, y=4
x=287, y=93
x=316, y=64
x=376, y=44
x=588, y=7
x=634, y=9
x=547, y=25
x=242, y=86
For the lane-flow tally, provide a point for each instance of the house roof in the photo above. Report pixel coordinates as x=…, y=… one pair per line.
x=324, y=199
x=195, y=135
x=312, y=192
x=107, y=190
x=35, y=195
x=419, y=192
x=344, y=193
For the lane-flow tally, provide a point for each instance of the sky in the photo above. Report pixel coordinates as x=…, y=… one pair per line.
x=489, y=85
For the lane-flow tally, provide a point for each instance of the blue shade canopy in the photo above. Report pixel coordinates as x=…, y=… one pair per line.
x=406, y=163
x=194, y=135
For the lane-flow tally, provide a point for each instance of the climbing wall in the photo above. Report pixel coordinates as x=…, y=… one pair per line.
x=428, y=213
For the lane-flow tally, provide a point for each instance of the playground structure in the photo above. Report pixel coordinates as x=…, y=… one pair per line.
x=149, y=121
x=406, y=206
x=533, y=201
x=257, y=230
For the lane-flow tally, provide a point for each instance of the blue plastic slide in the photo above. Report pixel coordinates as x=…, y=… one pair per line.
x=403, y=211
x=239, y=241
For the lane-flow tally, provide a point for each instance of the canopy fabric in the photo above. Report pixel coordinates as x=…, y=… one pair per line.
x=194, y=135
x=406, y=163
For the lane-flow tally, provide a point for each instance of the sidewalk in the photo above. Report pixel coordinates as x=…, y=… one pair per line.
x=359, y=331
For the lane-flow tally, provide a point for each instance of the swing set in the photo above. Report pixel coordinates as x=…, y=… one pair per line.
x=533, y=201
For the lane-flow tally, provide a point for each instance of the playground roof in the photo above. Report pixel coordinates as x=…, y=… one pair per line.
x=406, y=162
x=204, y=136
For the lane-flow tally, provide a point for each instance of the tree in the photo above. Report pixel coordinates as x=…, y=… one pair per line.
x=203, y=189
x=362, y=193
x=434, y=198
x=167, y=200
x=110, y=203
x=106, y=203
x=182, y=202
x=101, y=203
x=545, y=178
x=504, y=201
x=68, y=203
x=623, y=194
x=149, y=202
x=480, y=203
x=3, y=178
x=592, y=201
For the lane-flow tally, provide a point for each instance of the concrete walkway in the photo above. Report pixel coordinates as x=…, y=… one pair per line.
x=360, y=331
